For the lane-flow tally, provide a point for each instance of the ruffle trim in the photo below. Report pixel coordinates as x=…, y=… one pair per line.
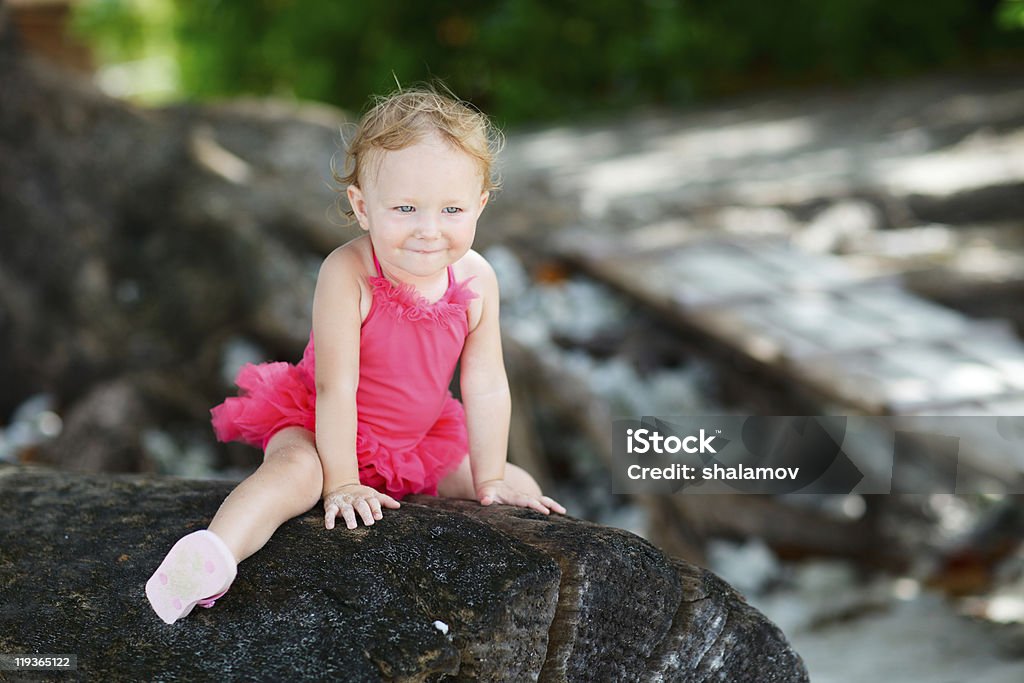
x=419, y=469
x=278, y=395
x=403, y=301
x=273, y=396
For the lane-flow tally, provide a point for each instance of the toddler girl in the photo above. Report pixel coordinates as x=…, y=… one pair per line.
x=366, y=418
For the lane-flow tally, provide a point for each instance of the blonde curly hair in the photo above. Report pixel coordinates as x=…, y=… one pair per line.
x=404, y=117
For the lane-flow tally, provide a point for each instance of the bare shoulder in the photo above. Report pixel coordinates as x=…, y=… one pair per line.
x=349, y=259
x=343, y=274
x=484, y=284
x=473, y=265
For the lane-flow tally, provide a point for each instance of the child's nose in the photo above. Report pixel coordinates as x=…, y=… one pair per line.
x=428, y=226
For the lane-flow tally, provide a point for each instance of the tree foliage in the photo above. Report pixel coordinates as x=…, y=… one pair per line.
x=527, y=60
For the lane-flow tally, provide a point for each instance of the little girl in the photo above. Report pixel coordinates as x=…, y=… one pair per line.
x=366, y=418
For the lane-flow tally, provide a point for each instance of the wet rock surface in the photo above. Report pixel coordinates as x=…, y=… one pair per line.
x=524, y=597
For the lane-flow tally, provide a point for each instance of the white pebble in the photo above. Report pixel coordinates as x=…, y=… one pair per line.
x=441, y=626
x=49, y=424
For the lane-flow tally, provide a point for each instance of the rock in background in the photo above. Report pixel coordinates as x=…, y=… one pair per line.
x=145, y=254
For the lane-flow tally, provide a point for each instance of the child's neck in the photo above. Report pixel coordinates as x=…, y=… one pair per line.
x=431, y=287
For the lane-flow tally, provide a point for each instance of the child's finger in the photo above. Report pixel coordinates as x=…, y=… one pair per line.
x=331, y=513
x=349, y=515
x=553, y=504
x=535, y=504
x=375, y=508
x=521, y=500
x=363, y=508
x=388, y=500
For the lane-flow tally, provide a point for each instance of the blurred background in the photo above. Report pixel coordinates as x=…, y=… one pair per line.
x=526, y=61
x=727, y=207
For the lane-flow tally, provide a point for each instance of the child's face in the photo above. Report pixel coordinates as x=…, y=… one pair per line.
x=420, y=205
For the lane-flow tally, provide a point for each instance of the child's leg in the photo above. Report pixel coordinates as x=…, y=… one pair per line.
x=459, y=484
x=288, y=483
x=202, y=565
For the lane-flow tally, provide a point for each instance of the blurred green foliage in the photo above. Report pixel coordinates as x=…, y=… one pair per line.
x=540, y=60
x=1011, y=14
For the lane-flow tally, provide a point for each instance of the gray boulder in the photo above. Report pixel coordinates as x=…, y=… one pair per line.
x=523, y=596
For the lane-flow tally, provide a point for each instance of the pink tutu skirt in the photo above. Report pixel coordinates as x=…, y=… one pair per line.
x=277, y=395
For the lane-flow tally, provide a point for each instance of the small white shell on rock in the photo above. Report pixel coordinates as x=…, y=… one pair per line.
x=441, y=626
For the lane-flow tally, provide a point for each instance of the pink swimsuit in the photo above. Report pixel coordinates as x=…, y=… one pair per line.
x=411, y=432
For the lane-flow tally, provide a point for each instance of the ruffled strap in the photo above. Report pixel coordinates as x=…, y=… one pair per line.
x=405, y=302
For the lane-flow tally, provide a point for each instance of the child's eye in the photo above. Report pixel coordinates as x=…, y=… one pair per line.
x=405, y=208
x=451, y=210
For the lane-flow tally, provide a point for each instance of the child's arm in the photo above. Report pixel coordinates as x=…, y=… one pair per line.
x=336, y=329
x=488, y=404
x=484, y=385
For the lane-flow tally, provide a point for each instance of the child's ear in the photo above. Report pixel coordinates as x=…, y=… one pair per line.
x=484, y=196
x=358, y=203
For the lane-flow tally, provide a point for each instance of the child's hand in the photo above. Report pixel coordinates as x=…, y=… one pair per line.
x=497, y=491
x=351, y=498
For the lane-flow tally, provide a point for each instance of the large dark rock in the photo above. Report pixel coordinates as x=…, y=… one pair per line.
x=138, y=246
x=525, y=597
